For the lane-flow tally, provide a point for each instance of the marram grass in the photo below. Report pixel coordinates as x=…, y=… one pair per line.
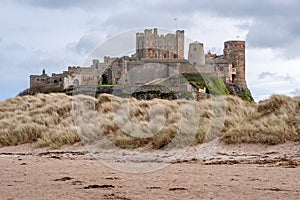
x=52, y=120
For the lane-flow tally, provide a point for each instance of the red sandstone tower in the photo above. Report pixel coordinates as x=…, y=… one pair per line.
x=234, y=52
x=151, y=45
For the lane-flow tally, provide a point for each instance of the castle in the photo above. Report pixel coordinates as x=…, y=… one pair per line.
x=157, y=57
x=152, y=45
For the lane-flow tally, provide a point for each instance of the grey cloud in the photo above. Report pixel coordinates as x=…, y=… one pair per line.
x=290, y=50
x=86, y=43
x=244, y=25
x=123, y=21
x=11, y=53
x=237, y=8
x=266, y=34
x=264, y=75
x=296, y=92
x=14, y=47
x=274, y=32
x=287, y=78
x=23, y=62
x=18, y=64
x=232, y=8
x=275, y=23
x=275, y=76
x=65, y=4
x=98, y=47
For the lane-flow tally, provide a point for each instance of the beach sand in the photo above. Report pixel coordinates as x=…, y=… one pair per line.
x=227, y=172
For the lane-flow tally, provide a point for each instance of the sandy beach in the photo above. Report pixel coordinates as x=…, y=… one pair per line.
x=227, y=172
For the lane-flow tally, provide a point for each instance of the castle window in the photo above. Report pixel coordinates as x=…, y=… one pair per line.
x=194, y=63
x=233, y=77
x=165, y=55
x=38, y=79
x=175, y=55
x=104, y=79
x=195, y=49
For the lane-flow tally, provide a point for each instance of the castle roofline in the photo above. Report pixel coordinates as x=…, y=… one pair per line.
x=155, y=31
x=235, y=41
x=196, y=42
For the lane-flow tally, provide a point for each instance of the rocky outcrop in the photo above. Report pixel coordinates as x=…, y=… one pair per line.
x=243, y=93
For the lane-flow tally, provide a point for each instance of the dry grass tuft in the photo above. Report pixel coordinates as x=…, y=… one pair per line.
x=54, y=119
x=44, y=119
x=272, y=121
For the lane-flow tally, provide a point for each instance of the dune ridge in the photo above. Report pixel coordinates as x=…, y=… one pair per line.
x=57, y=119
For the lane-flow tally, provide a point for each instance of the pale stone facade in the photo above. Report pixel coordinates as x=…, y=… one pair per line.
x=196, y=54
x=151, y=45
x=157, y=57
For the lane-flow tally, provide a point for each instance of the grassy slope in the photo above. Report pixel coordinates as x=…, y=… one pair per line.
x=48, y=120
x=214, y=84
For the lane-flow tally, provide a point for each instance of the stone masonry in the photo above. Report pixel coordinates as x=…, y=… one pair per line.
x=157, y=57
x=151, y=45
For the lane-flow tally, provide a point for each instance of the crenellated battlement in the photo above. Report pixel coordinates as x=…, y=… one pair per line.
x=151, y=45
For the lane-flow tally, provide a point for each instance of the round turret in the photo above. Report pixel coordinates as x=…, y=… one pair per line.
x=234, y=52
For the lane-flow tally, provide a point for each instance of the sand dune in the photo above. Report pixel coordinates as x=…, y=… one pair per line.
x=57, y=119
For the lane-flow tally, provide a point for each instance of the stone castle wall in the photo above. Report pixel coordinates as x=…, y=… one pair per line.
x=150, y=45
x=157, y=57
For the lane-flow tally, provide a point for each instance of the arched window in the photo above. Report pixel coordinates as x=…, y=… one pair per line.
x=175, y=55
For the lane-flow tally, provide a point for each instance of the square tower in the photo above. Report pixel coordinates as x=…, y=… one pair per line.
x=151, y=45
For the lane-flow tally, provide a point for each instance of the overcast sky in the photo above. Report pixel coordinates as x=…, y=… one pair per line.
x=53, y=34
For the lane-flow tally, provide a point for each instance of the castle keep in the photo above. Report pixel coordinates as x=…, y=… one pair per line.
x=152, y=45
x=157, y=58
